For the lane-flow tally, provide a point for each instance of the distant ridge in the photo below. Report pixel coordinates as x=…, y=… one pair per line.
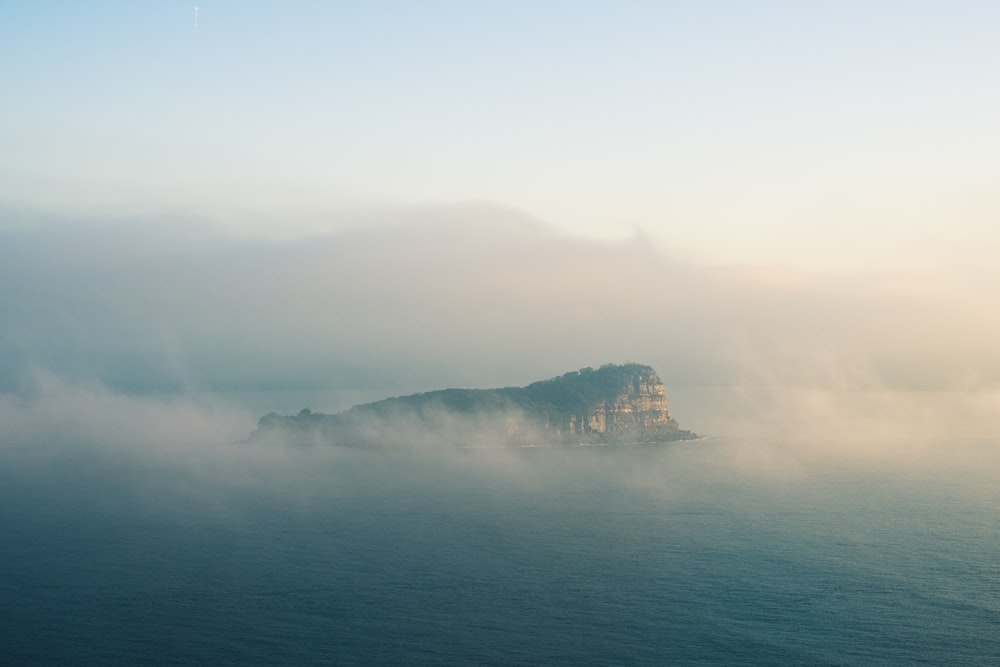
x=613, y=404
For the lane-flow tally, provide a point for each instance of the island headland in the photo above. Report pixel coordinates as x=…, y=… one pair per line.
x=614, y=404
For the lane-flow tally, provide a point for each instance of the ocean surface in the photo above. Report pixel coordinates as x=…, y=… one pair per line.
x=689, y=553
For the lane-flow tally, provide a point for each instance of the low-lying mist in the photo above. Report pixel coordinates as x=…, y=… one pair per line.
x=193, y=450
x=174, y=341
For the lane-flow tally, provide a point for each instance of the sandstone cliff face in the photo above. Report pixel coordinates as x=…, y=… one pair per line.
x=639, y=404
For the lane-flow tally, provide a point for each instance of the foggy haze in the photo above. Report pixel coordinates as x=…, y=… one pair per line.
x=787, y=210
x=482, y=296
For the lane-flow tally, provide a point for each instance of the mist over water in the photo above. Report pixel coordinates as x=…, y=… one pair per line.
x=788, y=211
x=841, y=510
x=761, y=549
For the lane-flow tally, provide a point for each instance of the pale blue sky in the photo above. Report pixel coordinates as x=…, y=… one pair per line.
x=813, y=134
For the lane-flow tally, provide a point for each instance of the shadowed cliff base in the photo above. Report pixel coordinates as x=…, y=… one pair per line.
x=615, y=404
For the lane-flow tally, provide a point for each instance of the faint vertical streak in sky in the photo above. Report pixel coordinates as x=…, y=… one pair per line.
x=196, y=36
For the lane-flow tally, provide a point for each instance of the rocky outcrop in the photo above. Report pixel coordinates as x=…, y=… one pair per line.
x=614, y=403
x=636, y=402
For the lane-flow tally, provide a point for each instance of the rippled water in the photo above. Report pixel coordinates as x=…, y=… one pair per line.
x=645, y=555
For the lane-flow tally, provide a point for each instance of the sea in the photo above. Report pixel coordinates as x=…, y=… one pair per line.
x=708, y=552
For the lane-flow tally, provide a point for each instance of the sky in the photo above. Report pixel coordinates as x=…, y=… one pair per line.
x=342, y=201
x=814, y=135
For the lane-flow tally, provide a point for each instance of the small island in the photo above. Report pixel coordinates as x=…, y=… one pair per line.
x=614, y=404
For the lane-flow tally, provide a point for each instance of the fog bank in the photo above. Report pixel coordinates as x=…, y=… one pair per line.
x=478, y=296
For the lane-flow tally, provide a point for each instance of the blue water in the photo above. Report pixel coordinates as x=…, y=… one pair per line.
x=645, y=555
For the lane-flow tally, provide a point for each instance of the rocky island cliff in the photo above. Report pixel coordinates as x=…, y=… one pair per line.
x=614, y=403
